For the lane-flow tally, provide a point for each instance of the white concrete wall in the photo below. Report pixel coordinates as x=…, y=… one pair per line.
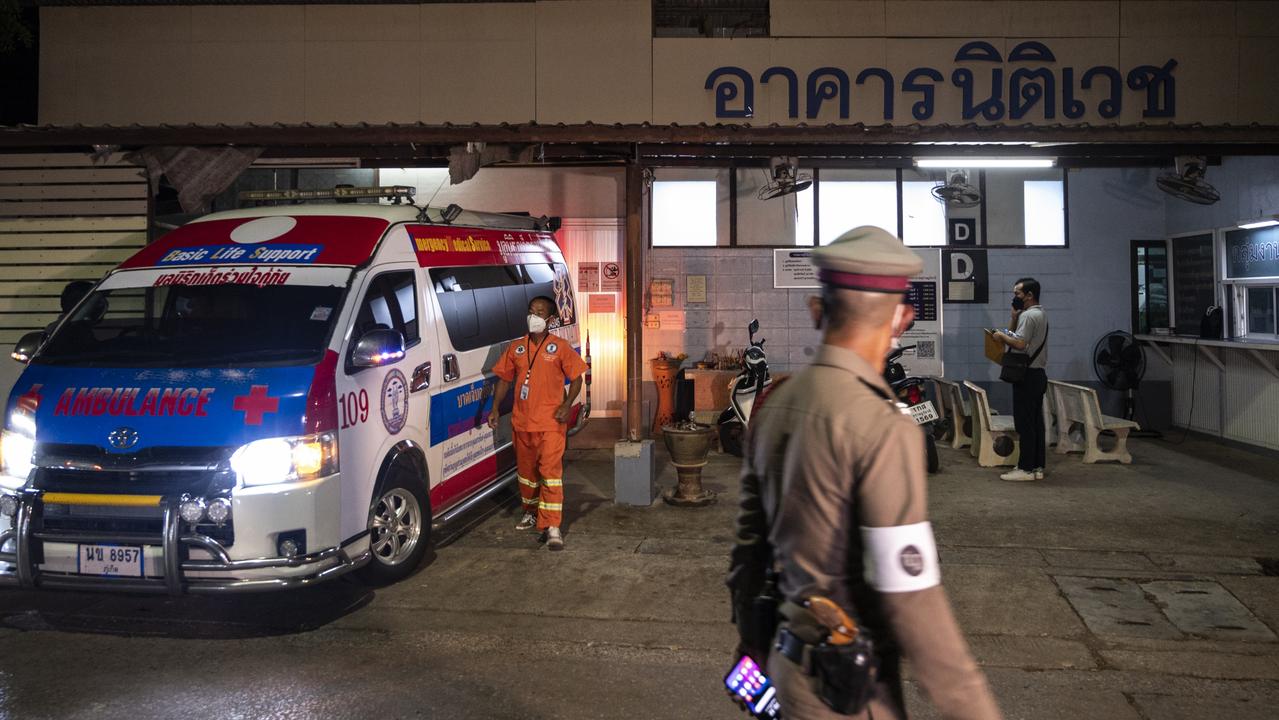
x=596, y=60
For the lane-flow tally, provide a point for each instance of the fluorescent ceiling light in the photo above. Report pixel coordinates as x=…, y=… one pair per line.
x=986, y=162
x=1254, y=224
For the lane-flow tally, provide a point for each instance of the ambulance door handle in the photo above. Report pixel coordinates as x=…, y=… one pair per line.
x=421, y=377
x=451, y=371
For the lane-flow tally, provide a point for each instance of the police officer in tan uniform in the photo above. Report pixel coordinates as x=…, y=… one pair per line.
x=834, y=499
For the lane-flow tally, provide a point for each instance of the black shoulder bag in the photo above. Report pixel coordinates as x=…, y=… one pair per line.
x=1013, y=367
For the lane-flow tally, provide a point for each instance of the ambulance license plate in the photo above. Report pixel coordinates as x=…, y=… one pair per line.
x=110, y=560
x=923, y=412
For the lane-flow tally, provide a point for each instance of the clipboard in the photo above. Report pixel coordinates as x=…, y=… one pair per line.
x=994, y=348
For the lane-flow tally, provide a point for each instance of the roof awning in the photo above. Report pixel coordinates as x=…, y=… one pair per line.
x=1086, y=144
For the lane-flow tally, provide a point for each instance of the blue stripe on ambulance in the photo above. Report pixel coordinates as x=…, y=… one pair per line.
x=464, y=408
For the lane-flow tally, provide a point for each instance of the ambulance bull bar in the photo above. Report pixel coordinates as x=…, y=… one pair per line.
x=24, y=573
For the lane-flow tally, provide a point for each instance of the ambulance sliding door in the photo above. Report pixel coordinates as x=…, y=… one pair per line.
x=481, y=308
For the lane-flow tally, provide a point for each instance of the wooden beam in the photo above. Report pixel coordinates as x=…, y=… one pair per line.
x=634, y=269
x=1158, y=351
x=1265, y=362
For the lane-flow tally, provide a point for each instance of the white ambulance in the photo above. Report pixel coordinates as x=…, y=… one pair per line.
x=270, y=397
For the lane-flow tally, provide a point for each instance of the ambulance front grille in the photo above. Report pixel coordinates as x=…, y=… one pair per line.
x=59, y=518
x=169, y=482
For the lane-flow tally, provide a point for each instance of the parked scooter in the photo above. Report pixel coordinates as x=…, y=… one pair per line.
x=911, y=394
x=742, y=392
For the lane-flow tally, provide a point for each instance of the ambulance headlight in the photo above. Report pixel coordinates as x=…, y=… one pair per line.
x=16, y=450
x=281, y=460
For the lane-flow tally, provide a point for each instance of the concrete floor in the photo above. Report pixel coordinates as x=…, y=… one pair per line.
x=1126, y=592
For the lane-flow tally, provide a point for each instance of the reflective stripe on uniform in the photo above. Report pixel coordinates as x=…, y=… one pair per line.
x=527, y=483
x=530, y=501
x=553, y=483
x=552, y=507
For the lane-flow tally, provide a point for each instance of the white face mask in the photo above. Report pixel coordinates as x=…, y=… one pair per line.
x=536, y=324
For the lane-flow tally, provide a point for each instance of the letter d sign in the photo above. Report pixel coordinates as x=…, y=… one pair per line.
x=961, y=231
x=961, y=266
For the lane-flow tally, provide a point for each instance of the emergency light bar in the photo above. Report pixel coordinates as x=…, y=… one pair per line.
x=393, y=192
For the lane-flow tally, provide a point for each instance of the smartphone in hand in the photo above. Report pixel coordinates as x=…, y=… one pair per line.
x=748, y=684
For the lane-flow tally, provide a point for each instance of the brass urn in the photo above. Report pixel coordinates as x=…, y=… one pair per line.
x=689, y=444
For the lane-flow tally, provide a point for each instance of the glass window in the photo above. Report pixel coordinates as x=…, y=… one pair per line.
x=1025, y=207
x=486, y=305
x=684, y=213
x=390, y=304
x=1045, y=212
x=924, y=216
x=852, y=198
x=223, y=325
x=785, y=219
x=1150, y=265
x=1261, y=310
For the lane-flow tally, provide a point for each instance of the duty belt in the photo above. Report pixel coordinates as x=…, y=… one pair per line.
x=793, y=648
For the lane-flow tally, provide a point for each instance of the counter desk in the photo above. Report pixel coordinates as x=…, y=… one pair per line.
x=1227, y=388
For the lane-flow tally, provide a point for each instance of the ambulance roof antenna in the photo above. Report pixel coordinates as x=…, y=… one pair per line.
x=422, y=217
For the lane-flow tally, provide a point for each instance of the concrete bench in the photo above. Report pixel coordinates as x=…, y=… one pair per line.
x=987, y=428
x=954, y=408
x=1077, y=406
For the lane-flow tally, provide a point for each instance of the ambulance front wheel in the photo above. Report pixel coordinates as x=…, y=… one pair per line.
x=399, y=529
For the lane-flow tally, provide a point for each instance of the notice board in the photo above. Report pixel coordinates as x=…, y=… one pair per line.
x=1193, y=282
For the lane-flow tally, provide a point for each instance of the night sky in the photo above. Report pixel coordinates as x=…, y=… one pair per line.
x=19, y=77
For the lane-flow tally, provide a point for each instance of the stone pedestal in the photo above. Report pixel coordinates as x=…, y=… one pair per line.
x=634, y=476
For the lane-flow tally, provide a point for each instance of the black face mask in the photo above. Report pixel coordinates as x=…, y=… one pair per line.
x=1018, y=303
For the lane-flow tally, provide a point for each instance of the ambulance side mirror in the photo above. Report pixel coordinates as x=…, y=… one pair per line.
x=376, y=348
x=27, y=346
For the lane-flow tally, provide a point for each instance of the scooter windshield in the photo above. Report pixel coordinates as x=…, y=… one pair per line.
x=249, y=320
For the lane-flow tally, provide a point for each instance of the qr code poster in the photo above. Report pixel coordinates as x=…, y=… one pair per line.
x=925, y=359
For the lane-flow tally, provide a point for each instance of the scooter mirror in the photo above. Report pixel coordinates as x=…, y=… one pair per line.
x=753, y=328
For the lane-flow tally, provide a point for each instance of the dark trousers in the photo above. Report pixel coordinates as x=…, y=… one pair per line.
x=1028, y=417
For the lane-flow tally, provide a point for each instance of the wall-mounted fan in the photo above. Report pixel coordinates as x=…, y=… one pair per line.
x=1120, y=364
x=786, y=179
x=957, y=191
x=1187, y=182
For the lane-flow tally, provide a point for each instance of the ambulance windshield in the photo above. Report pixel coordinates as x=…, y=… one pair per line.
x=240, y=325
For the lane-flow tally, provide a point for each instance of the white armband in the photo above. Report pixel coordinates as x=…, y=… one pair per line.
x=902, y=558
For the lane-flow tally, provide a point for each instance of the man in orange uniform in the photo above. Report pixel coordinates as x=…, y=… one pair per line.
x=537, y=365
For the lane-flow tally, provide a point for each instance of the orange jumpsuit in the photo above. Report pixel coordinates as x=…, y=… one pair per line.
x=537, y=373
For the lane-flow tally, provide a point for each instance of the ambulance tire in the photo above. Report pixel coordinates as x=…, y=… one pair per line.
x=401, y=517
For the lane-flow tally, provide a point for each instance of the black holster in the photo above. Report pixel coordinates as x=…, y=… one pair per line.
x=846, y=674
x=758, y=624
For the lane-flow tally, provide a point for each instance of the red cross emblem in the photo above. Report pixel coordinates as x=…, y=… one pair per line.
x=30, y=400
x=256, y=404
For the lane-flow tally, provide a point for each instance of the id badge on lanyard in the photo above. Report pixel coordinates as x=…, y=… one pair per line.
x=528, y=374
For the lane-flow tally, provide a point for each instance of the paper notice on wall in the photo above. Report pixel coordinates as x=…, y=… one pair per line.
x=661, y=292
x=671, y=319
x=653, y=321
x=794, y=269
x=926, y=335
x=610, y=277
x=696, y=288
x=588, y=277
x=602, y=303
